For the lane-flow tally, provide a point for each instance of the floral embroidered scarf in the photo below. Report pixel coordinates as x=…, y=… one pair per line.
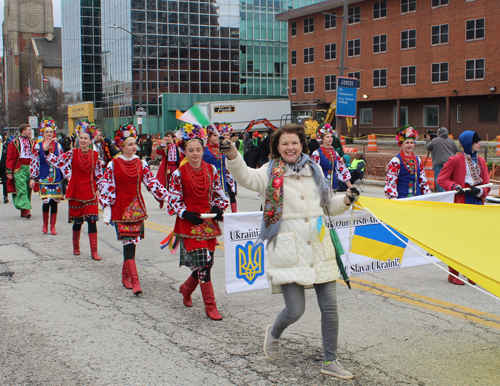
x=475, y=170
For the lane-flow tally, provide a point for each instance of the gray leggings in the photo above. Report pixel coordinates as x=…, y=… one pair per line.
x=295, y=304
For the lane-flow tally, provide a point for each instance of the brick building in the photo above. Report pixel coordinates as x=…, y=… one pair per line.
x=429, y=63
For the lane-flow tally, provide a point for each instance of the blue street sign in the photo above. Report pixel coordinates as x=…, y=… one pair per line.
x=347, y=90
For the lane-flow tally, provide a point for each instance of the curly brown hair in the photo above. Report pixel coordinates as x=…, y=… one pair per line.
x=287, y=129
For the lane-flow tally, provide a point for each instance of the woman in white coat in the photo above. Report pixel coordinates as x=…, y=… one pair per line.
x=295, y=197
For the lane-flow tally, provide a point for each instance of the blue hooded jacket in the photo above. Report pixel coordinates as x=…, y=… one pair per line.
x=467, y=139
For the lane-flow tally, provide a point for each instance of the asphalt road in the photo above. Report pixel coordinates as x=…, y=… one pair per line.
x=67, y=320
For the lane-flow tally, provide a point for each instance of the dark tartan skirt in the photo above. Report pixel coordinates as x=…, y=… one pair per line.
x=195, y=259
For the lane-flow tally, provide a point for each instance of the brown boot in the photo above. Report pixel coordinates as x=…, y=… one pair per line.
x=93, y=246
x=125, y=279
x=134, y=277
x=53, y=220
x=453, y=279
x=76, y=242
x=187, y=289
x=45, y=226
x=209, y=298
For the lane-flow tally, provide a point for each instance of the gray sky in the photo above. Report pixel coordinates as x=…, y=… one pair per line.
x=57, y=16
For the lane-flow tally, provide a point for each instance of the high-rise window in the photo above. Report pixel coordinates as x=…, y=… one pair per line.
x=331, y=51
x=379, y=44
x=309, y=85
x=354, y=15
x=294, y=86
x=408, y=75
x=293, y=57
x=408, y=39
x=380, y=78
x=380, y=9
x=439, y=72
x=356, y=75
x=440, y=34
x=330, y=82
x=309, y=55
x=354, y=47
x=474, y=29
x=293, y=28
x=308, y=25
x=330, y=20
x=408, y=6
x=474, y=69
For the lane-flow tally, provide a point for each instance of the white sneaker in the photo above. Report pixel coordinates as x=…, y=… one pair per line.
x=335, y=368
x=270, y=345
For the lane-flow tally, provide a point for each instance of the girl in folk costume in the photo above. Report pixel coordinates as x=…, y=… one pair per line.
x=47, y=177
x=213, y=157
x=405, y=172
x=82, y=167
x=122, y=200
x=465, y=170
x=195, y=188
x=332, y=164
x=170, y=159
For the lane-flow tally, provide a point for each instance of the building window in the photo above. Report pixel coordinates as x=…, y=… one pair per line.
x=294, y=86
x=439, y=72
x=408, y=39
x=308, y=25
x=330, y=82
x=440, y=34
x=309, y=85
x=354, y=15
x=309, y=55
x=330, y=20
x=293, y=28
x=459, y=113
x=379, y=9
x=380, y=78
x=293, y=57
x=354, y=47
x=331, y=51
x=365, y=116
x=379, y=44
x=356, y=75
x=408, y=75
x=408, y=6
x=474, y=69
x=431, y=116
x=474, y=29
x=439, y=3
x=488, y=112
x=404, y=116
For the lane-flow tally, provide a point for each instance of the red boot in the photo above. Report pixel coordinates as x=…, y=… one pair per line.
x=53, y=220
x=233, y=207
x=187, y=289
x=471, y=282
x=134, y=278
x=453, y=279
x=125, y=279
x=209, y=298
x=45, y=226
x=93, y=246
x=76, y=242
x=23, y=212
x=28, y=214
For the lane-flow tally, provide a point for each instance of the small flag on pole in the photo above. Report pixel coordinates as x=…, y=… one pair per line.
x=29, y=87
x=44, y=79
x=195, y=115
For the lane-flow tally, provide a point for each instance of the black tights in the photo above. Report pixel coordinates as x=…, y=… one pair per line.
x=129, y=252
x=52, y=205
x=232, y=196
x=92, y=226
x=203, y=274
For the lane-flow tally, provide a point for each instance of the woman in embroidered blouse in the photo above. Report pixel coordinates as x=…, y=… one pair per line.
x=170, y=160
x=82, y=167
x=195, y=188
x=47, y=177
x=122, y=200
x=295, y=197
x=405, y=172
x=332, y=164
x=463, y=173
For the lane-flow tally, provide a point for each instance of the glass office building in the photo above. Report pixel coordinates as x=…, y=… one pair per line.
x=82, y=50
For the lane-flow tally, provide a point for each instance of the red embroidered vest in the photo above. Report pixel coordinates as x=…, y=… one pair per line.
x=82, y=185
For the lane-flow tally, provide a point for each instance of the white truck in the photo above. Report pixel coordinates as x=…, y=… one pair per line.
x=239, y=113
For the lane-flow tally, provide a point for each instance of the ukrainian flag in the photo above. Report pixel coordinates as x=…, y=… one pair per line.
x=377, y=242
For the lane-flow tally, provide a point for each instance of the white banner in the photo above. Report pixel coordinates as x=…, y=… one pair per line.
x=373, y=248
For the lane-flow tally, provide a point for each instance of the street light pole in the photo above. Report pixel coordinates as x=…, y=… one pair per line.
x=140, y=69
x=345, y=18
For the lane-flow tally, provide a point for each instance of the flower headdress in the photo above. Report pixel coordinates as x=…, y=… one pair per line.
x=86, y=127
x=123, y=133
x=323, y=130
x=47, y=122
x=406, y=132
x=224, y=127
x=212, y=128
x=188, y=132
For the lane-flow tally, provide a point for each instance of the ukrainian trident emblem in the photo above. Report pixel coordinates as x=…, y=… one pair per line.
x=250, y=261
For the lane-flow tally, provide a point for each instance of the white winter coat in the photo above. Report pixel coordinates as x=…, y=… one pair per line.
x=299, y=256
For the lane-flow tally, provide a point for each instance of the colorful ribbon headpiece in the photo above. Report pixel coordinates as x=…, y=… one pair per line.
x=406, y=132
x=123, y=133
x=47, y=123
x=189, y=131
x=323, y=130
x=86, y=127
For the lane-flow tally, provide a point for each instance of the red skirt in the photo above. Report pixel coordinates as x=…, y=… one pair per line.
x=80, y=211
